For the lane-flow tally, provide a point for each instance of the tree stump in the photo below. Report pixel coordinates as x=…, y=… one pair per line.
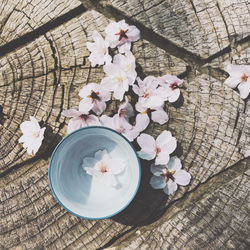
x=43, y=64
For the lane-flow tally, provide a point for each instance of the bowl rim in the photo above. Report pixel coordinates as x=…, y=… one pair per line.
x=50, y=180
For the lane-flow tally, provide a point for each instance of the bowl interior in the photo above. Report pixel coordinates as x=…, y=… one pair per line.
x=82, y=194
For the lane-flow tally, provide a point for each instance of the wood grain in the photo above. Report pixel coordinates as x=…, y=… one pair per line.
x=41, y=73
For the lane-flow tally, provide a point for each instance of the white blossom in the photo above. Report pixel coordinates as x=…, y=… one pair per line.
x=32, y=136
x=147, y=92
x=94, y=97
x=239, y=77
x=170, y=87
x=116, y=80
x=158, y=149
x=103, y=167
x=167, y=176
x=79, y=119
x=99, y=50
x=120, y=34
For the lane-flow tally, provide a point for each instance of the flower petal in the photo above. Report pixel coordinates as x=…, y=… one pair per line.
x=116, y=166
x=157, y=170
x=166, y=142
x=74, y=124
x=99, y=107
x=145, y=155
x=141, y=122
x=182, y=177
x=159, y=116
x=162, y=158
x=244, y=89
x=170, y=188
x=157, y=182
x=71, y=113
x=85, y=105
x=89, y=162
x=174, y=164
x=146, y=142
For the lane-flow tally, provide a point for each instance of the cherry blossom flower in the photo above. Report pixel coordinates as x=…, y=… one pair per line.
x=126, y=110
x=99, y=50
x=116, y=80
x=170, y=89
x=127, y=63
x=239, y=77
x=103, y=167
x=79, y=119
x=94, y=97
x=147, y=92
x=121, y=126
x=120, y=34
x=157, y=114
x=158, y=149
x=167, y=177
x=32, y=136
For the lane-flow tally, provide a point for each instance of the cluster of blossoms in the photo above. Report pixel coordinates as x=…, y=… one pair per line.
x=152, y=94
x=239, y=78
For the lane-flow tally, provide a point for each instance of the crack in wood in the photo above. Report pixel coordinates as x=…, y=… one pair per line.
x=199, y=192
x=42, y=30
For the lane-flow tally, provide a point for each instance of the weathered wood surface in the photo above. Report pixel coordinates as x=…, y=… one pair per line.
x=43, y=65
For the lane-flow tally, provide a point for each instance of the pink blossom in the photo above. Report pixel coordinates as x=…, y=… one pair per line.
x=158, y=149
x=147, y=92
x=99, y=50
x=80, y=119
x=239, y=77
x=94, y=97
x=167, y=176
x=170, y=87
x=120, y=34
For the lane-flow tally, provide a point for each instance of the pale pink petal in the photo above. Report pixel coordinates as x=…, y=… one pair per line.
x=74, y=124
x=139, y=107
x=107, y=121
x=162, y=158
x=124, y=47
x=92, y=120
x=153, y=102
x=100, y=154
x=159, y=116
x=146, y=142
x=151, y=83
x=71, y=113
x=170, y=188
x=89, y=162
x=146, y=155
x=157, y=182
x=174, y=164
x=119, y=93
x=166, y=142
x=174, y=95
x=157, y=170
x=85, y=105
x=86, y=90
x=104, y=94
x=244, y=89
x=232, y=82
x=116, y=166
x=182, y=177
x=142, y=121
x=99, y=107
x=136, y=89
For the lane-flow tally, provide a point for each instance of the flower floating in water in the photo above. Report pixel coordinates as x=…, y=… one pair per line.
x=94, y=97
x=167, y=177
x=99, y=50
x=160, y=149
x=120, y=34
x=239, y=77
x=32, y=135
x=103, y=167
x=80, y=118
x=170, y=87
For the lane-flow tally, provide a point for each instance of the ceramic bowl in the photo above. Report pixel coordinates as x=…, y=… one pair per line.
x=80, y=193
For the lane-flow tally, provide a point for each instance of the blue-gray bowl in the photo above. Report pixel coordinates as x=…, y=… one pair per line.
x=80, y=193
